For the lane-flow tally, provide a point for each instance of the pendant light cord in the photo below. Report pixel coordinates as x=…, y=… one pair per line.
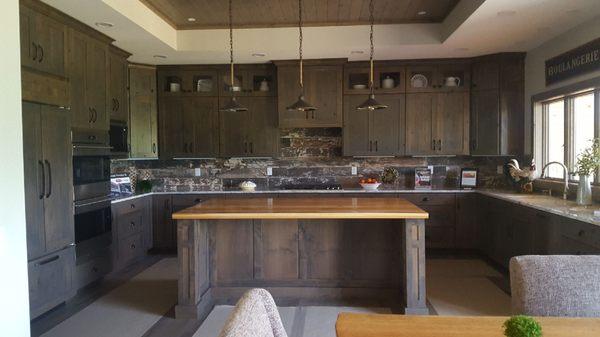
x=300, y=47
x=231, y=43
x=372, y=20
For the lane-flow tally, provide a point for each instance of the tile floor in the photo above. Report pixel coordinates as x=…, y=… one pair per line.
x=457, y=286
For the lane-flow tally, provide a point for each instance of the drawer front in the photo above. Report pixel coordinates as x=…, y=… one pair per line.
x=183, y=201
x=93, y=269
x=130, y=223
x=422, y=199
x=440, y=216
x=439, y=237
x=125, y=207
x=50, y=280
x=582, y=232
x=567, y=245
x=130, y=249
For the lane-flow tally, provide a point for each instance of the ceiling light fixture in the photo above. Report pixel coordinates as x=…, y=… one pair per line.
x=159, y=56
x=191, y=19
x=301, y=104
x=371, y=103
x=104, y=24
x=233, y=105
x=357, y=52
x=422, y=13
x=259, y=54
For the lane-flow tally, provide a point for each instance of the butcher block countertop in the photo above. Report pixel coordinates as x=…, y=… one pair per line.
x=369, y=325
x=302, y=208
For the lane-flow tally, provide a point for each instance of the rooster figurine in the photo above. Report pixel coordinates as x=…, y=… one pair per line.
x=522, y=177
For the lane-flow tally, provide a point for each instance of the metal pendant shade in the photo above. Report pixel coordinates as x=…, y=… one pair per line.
x=371, y=103
x=301, y=104
x=233, y=105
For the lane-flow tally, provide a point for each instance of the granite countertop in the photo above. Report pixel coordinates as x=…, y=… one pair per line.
x=554, y=205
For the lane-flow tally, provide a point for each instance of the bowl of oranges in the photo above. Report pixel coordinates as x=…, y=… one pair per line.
x=369, y=184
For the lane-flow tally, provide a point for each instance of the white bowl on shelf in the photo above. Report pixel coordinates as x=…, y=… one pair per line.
x=370, y=186
x=359, y=86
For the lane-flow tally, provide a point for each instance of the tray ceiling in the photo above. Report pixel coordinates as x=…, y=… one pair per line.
x=210, y=14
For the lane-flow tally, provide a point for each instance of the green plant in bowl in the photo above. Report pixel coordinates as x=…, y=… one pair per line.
x=522, y=326
x=143, y=186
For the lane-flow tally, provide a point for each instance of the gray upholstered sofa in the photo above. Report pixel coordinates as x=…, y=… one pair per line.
x=556, y=285
x=255, y=315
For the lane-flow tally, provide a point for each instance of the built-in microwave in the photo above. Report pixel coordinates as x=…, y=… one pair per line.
x=118, y=139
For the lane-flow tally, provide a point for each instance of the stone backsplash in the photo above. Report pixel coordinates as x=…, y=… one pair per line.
x=305, y=156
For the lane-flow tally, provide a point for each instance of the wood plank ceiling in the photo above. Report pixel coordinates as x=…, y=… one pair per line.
x=211, y=14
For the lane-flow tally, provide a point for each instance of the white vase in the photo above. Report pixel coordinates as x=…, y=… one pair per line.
x=584, y=191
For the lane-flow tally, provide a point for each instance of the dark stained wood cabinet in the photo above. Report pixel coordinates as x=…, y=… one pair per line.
x=43, y=41
x=163, y=227
x=249, y=80
x=48, y=205
x=118, y=100
x=143, y=119
x=251, y=133
x=189, y=127
x=48, y=168
x=437, y=123
x=374, y=133
x=497, y=105
x=87, y=77
x=322, y=88
x=132, y=230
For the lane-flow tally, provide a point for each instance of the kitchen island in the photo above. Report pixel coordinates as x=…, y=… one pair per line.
x=309, y=249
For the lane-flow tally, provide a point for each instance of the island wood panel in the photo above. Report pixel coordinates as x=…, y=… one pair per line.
x=372, y=325
x=322, y=250
x=233, y=246
x=276, y=249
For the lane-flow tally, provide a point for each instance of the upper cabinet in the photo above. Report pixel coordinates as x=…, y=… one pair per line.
x=42, y=42
x=188, y=81
x=251, y=133
x=143, y=123
x=249, y=80
x=437, y=123
x=117, y=85
x=322, y=88
x=374, y=133
x=497, y=105
x=438, y=77
x=387, y=78
x=87, y=78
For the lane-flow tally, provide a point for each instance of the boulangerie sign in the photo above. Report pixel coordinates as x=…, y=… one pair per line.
x=581, y=60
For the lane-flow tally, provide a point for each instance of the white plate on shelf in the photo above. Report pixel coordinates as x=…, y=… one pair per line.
x=418, y=81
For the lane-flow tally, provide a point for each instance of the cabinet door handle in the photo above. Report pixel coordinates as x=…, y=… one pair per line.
x=376, y=147
x=35, y=51
x=313, y=114
x=118, y=104
x=245, y=147
x=49, y=179
x=43, y=186
x=90, y=113
x=41, y=54
x=48, y=260
x=153, y=147
x=439, y=145
x=433, y=144
x=306, y=114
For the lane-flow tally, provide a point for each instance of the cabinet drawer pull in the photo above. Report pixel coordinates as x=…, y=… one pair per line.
x=132, y=246
x=132, y=206
x=41, y=54
x=581, y=233
x=35, y=51
x=425, y=199
x=132, y=224
x=95, y=269
x=46, y=261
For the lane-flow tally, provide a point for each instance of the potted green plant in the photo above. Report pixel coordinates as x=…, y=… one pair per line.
x=522, y=326
x=587, y=163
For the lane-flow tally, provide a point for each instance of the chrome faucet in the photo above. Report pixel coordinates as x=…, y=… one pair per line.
x=566, y=172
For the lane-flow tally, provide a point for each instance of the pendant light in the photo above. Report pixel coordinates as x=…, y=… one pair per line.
x=301, y=104
x=371, y=103
x=233, y=105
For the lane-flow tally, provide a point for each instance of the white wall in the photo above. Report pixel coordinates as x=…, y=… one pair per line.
x=535, y=66
x=14, y=311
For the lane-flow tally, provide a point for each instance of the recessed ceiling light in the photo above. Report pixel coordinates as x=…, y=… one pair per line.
x=506, y=13
x=259, y=54
x=104, y=24
x=159, y=56
x=191, y=19
x=357, y=52
x=421, y=12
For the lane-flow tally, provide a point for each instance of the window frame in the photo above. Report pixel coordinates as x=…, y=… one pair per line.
x=569, y=138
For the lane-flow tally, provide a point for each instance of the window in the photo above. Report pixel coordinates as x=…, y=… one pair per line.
x=569, y=127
